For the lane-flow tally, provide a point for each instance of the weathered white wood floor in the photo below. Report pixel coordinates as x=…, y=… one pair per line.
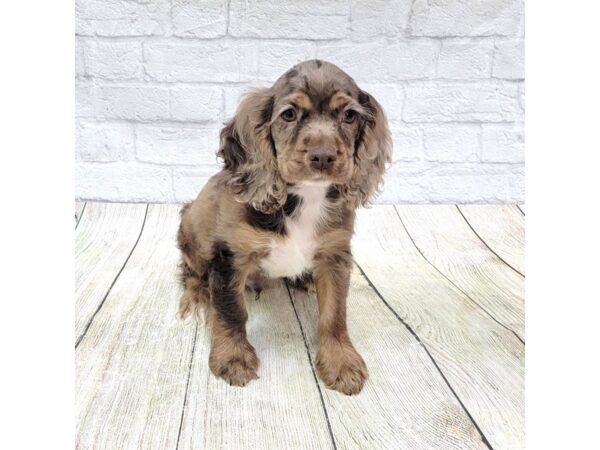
x=436, y=308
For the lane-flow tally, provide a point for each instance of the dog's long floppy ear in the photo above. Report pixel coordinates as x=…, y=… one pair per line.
x=248, y=152
x=373, y=151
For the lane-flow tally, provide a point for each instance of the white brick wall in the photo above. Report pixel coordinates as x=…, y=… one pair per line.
x=155, y=79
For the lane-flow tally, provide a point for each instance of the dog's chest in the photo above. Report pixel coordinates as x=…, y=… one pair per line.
x=293, y=254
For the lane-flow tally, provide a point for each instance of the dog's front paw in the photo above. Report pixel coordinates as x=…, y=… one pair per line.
x=235, y=363
x=341, y=367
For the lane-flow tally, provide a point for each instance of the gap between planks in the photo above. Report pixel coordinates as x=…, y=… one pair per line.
x=482, y=360
x=182, y=433
x=312, y=366
x=79, y=209
x=445, y=243
x=94, y=286
x=437, y=367
x=492, y=224
x=132, y=366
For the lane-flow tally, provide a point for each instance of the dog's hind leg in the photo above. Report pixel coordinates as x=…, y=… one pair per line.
x=194, y=277
x=196, y=295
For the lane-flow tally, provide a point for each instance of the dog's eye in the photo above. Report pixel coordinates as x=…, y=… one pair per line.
x=349, y=116
x=289, y=115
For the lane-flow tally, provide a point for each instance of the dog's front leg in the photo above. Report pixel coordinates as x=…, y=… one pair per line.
x=338, y=363
x=232, y=357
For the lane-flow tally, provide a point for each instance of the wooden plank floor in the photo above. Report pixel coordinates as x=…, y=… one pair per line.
x=436, y=308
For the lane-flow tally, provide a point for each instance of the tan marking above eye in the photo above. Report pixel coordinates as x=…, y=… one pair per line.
x=340, y=100
x=300, y=99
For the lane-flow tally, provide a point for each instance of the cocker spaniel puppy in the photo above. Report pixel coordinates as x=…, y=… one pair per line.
x=299, y=158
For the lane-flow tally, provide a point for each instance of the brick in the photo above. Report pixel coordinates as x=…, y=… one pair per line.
x=460, y=102
x=378, y=18
x=465, y=60
x=522, y=96
x=440, y=18
x=503, y=143
x=509, y=60
x=374, y=62
x=114, y=60
x=233, y=95
x=196, y=103
x=149, y=110
x=83, y=27
x=128, y=181
x=516, y=187
x=201, y=61
x=177, y=145
x=79, y=58
x=131, y=102
x=521, y=28
x=275, y=58
x=83, y=99
x=187, y=182
x=389, y=96
x=452, y=143
x=521, y=118
x=454, y=183
x=311, y=19
x=121, y=17
x=206, y=19
x=408, y=144
x=104, y=142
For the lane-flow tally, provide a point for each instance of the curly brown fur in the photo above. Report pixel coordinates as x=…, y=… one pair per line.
x=298, y=158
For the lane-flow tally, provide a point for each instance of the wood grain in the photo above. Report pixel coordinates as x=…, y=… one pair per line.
x=282, y=409
x=502, y=228
x=104, y=238
x=482, y=361
x=441, y=236
x=142, y=377
x=132, y=365
x=79, y=207
x=405, y=403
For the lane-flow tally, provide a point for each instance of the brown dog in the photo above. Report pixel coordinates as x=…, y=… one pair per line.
x=299, y=158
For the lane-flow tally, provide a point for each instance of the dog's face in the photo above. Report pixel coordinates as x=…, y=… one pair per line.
x=314, y=125
x=316, y=122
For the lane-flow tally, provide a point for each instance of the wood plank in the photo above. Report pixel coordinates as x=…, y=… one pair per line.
x=104, y=239
x=405, y=402
x=282, y=409
x=79, y=208
x=132, y=365
x=446, y=241
x=502, y=228
x=482, y=361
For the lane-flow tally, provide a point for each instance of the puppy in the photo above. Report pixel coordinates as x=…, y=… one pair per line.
x=298, y=159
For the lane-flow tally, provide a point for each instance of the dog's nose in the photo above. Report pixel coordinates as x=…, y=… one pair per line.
x=322, y=158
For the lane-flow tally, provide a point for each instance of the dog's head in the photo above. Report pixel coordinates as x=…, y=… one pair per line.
x=314, y=126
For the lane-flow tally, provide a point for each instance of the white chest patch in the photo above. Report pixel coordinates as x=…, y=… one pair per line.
x=293, y=255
